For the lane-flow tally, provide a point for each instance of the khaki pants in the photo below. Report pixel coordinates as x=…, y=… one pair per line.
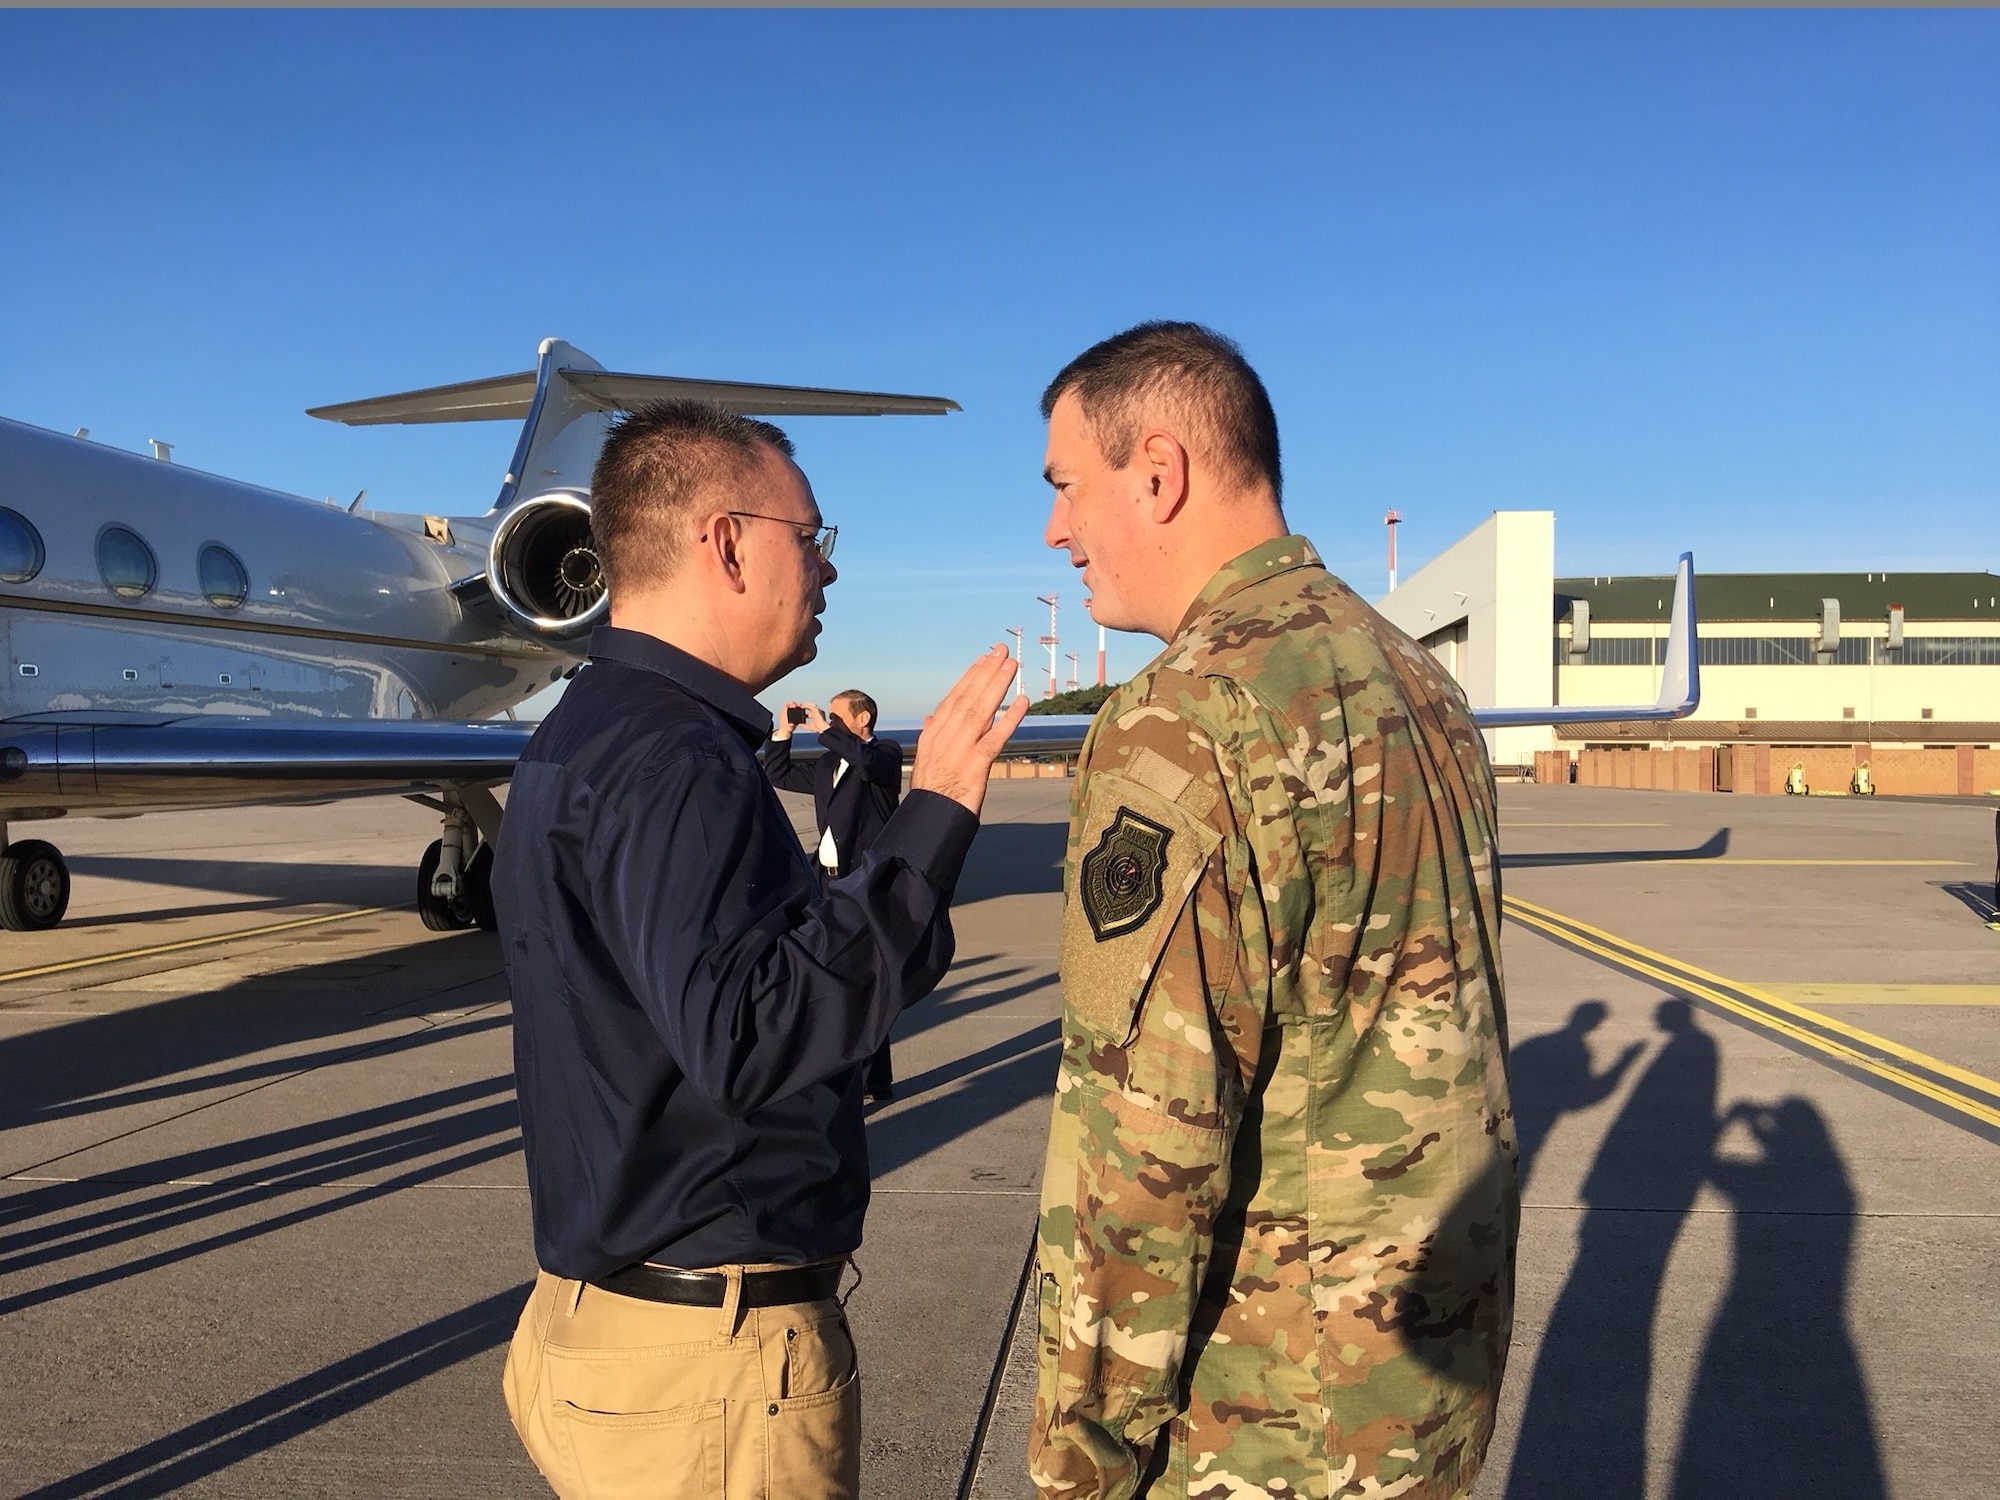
x=617, y=1398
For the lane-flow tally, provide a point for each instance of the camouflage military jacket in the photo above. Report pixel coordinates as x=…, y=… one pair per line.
x=1279, y=1207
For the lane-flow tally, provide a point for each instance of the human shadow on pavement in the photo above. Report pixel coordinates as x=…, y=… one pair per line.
x=1013, y=859
x=1780, y=1394
x=242, y=1190
x=960, y=1067
x=1977, y=896
x=215, y=1443
x=897, y=1139
x=1552, y=1075
x=173, y=1045
x=1715, y=846
x=1584, y=1430
x=968, y=993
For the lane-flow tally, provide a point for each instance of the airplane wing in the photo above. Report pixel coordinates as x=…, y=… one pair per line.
x=139, y=763
x=1680, y=695
x=505, y=397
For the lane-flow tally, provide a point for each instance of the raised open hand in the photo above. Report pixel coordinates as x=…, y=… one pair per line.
x=962, y=738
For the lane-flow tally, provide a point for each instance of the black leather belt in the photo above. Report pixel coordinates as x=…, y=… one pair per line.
x=707, y=1288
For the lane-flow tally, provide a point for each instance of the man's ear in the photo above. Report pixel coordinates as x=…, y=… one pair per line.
x=1162, y=460
x=720, y=543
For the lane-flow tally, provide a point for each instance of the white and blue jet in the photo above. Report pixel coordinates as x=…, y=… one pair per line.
x=179, y=640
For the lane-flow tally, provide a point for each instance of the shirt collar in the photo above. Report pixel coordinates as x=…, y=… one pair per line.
x=721, y=692
x=1265, y=560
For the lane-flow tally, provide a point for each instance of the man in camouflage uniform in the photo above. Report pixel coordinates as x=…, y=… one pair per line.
x=1279, y=1208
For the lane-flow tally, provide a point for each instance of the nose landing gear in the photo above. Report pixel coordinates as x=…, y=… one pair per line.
x=455, y=876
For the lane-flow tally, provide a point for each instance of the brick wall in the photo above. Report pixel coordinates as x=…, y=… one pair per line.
x=1677, y=770
x=1920, y=773
x=1017, y=770
x=1761, y=770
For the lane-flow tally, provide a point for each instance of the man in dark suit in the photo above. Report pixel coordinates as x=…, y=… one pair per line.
x=855, y=786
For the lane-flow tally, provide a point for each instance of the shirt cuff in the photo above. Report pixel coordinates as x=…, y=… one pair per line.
x=931, y=833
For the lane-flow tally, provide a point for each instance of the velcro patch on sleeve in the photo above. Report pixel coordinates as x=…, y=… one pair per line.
x=1153, y=770
x=1142, y=856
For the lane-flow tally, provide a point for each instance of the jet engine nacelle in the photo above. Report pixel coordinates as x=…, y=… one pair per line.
x=543, y=568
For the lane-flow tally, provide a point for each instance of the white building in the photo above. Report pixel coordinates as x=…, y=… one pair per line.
x=1787, y=659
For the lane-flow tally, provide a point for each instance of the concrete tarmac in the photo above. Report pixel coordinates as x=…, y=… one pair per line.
x=263, y=1226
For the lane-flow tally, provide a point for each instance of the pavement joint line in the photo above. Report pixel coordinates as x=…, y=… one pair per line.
x=1756, y=1006
x=975, y=1451
x=70, y=964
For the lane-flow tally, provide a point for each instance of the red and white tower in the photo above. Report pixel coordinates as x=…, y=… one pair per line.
x=1100, y=656
x=1392, y=521
x=1051, y=640
x=1017, y=631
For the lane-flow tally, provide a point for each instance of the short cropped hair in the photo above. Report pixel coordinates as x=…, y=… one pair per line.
x=861, y=703
x=1197, y=376
x=657, y=462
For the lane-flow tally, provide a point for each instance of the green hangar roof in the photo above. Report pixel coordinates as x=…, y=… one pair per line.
x=1788, y=596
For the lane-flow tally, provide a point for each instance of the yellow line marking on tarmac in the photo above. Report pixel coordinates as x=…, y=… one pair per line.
x=1696, y=859
x=185, y=943
x=1887, y=994
x=1509, y=823
x=1710, y=987
x=1912, y=863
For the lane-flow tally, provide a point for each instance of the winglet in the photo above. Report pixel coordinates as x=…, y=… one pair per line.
x=1680, y=678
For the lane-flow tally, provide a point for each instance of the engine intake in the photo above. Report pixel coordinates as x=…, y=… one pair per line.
x=544, y=570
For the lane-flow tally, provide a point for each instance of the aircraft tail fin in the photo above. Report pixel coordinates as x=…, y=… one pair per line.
x=566, y=401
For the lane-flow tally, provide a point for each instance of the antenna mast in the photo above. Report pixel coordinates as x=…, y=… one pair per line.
x=1392, y=521
x=1017, y=631
x=1051, y=640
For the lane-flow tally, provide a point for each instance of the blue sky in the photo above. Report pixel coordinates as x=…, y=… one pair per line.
x=1719, y=280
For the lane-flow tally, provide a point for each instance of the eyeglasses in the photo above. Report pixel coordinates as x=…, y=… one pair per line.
x=821, y=537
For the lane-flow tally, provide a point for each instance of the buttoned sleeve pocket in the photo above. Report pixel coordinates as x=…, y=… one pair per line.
x=1140, y=854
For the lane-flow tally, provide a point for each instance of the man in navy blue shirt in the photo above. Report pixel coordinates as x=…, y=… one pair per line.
x=691, y=1010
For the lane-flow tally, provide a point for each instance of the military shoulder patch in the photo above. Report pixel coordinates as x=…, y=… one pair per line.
x=1122, y=881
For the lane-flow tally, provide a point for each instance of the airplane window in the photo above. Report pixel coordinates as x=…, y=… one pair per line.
x=21, y=552
x=222, y=577
x=126, y=563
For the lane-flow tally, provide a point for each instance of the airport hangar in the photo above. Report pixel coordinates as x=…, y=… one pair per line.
x=1827, y=672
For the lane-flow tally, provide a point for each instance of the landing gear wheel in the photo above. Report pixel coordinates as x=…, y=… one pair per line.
x=479, y=891
x=438, y=915
x=34, y=886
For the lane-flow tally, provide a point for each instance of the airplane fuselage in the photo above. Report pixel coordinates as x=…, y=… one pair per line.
x=342, y=616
